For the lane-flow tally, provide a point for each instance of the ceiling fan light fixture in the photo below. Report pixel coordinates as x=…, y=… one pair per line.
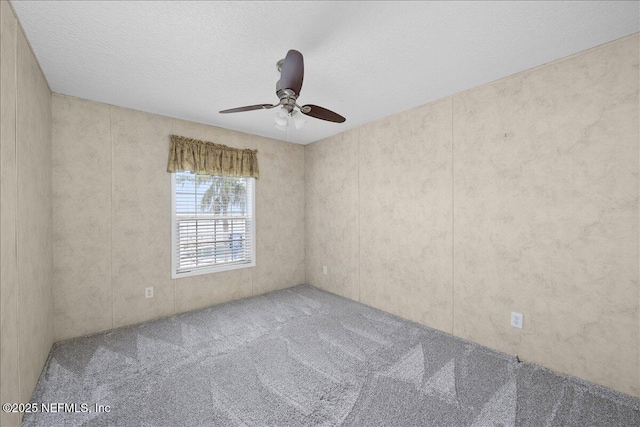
x=298, y=119
x=280, y=117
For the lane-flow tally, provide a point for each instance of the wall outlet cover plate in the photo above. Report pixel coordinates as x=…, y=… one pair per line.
x=516, y=320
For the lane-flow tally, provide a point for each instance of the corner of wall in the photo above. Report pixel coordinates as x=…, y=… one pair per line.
x=26, y=197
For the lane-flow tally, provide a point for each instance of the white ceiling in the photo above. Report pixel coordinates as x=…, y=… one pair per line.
x=364, y=60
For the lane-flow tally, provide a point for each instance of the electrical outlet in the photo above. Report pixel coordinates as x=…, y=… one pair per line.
x=148, y=292
x=516, y=319
x=324, y=269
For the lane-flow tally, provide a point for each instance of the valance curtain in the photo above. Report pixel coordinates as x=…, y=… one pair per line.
x=187, y=154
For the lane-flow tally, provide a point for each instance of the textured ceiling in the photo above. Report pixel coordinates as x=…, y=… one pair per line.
x=364, y=60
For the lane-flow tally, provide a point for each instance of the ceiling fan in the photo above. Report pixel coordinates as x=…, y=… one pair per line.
x=291, y=70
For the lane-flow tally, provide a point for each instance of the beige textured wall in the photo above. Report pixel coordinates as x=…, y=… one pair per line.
x=557, y=237
x=520, y=195
x=26, y=332
x=331, y=214
x=405, y=214
x=112, y=218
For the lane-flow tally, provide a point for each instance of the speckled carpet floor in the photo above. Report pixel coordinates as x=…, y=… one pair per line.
x=301, y=357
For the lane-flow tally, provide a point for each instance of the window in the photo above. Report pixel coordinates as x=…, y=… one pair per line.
x=213, y=223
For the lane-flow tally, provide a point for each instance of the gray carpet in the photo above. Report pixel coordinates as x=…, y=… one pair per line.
x=301, y=357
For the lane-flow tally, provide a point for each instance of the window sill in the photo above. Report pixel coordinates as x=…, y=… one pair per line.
x=213, y=270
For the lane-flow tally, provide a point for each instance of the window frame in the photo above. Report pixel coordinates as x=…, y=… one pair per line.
x=212, y=269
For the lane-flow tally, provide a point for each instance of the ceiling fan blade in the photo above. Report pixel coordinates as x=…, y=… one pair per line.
x=292, y=72
x=322, y=113
x=249, y=108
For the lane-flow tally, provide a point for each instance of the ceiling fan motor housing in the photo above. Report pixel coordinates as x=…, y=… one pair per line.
x=287, y=99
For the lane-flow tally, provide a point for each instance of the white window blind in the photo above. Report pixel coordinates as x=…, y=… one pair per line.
x=213, y=223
